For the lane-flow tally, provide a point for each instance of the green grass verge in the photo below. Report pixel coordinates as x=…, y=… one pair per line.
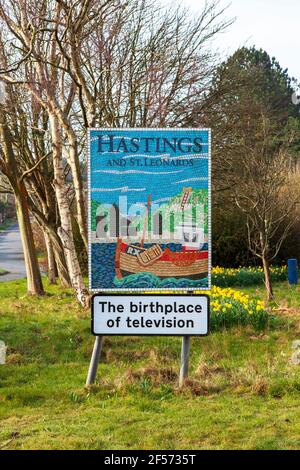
x=242, y=393
x=5, y=225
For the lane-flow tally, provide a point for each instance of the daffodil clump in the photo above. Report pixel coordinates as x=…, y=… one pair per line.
x=229, y=277
x=231, y=307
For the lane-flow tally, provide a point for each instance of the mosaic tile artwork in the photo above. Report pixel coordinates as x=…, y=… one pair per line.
x=149, y=209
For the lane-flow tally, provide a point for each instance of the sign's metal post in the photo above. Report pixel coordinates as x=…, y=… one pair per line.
x=147, y=317
x=94, y=361
x=185, y=355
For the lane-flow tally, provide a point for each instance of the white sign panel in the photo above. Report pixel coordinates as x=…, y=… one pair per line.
x=176, y=315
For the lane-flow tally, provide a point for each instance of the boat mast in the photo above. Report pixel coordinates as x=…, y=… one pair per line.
x=186, y=195
x=146, y=221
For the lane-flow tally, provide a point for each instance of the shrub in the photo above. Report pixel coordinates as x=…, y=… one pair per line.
x=228, y=277
x=230, y=308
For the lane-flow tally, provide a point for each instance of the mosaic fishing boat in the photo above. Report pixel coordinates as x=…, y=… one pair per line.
x=190, y=262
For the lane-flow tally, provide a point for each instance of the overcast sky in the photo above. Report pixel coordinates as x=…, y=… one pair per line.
x=273, y=25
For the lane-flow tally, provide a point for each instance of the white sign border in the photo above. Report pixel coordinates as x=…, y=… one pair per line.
x=106, y=294
x=151, y=289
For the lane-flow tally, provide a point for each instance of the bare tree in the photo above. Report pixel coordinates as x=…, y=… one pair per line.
x=264, y=190
x=138, y=63
x=9, y=167
x=41, y=81
x=34, y=156
x=108, y=63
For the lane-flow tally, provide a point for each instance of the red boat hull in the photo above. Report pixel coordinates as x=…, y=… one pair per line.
x=184, y=264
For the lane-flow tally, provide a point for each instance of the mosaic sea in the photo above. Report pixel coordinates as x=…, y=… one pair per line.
x=103, y=272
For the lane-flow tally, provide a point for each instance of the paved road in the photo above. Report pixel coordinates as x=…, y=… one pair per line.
x=11, y=254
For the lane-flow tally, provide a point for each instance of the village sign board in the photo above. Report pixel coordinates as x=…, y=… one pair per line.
x=149, y=209
x=149, y=230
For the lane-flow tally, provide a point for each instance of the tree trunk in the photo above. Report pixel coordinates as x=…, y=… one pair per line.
x=59, y=255
x=62, y=269
x=73, y=161
x=61, y=264
x=65, y=231
x=268, y=283
x=56, y=117
x=34, y=280
x=51, y=265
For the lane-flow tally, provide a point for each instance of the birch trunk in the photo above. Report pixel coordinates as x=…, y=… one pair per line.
x=73, y=161
x=65, y=230
x=56, y=114
x=51, y=264
x=62, y=270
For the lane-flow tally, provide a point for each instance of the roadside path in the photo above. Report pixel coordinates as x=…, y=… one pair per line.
x=11, y=254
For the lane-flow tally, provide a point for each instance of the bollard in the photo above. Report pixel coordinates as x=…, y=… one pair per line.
x=293, y=271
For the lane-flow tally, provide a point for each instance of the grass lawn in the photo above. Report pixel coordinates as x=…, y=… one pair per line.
x=242, y=393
